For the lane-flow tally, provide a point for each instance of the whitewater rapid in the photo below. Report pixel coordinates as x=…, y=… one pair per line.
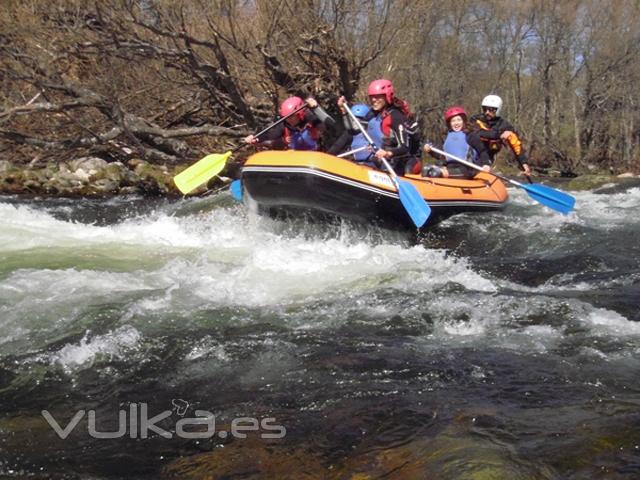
x=164, y=267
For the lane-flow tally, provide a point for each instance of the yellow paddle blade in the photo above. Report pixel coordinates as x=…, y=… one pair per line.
x=201, y=171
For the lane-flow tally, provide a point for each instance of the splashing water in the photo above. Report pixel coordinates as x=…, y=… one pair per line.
x=509, y=327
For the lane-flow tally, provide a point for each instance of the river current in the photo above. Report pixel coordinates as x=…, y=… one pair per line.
x=502, y=345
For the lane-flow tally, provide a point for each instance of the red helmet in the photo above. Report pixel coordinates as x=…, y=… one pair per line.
x=291, y=104
x=452, y=112
x=382, y=87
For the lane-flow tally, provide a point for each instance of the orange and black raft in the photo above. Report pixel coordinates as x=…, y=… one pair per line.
x=293, y=181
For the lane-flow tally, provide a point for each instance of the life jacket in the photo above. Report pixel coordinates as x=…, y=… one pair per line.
x=383, y=135
x=493, y=146
x=360, y=141
x=374, y=129
x=303, y=139
x=456, y=144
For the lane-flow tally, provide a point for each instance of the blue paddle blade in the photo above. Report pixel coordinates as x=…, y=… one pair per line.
x=414, y=204
x=552, y=198
x=236, y=190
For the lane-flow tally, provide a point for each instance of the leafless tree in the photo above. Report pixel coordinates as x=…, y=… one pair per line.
x=169, y=81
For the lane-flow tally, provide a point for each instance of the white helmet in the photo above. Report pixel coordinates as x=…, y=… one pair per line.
x=493, y=101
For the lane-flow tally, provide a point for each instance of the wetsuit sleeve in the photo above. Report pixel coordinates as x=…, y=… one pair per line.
x=273, y=138
x=503, y=126
x=323, y=117
x=351, y=126
x=483, y=158
x=440, y=160
x=348, y=124
x=341, y=144
x=397, y=121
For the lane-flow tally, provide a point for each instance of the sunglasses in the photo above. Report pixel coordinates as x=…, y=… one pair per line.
x=489, y=109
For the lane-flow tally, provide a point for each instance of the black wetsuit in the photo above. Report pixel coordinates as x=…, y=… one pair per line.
x=314, y=121
x=484, y=137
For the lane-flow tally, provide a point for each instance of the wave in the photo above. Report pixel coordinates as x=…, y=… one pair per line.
x=199, y=263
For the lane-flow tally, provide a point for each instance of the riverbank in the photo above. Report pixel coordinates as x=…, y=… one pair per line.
x=95, y=177
x=91, y=177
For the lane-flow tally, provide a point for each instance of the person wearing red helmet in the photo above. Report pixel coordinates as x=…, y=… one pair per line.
x=300, y=131
x=388, y=126
x=456, y=144
x=490, y=131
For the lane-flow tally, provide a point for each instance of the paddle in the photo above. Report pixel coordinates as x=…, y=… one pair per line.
x=211, y=165
x=409, y=196
x=351, y=152
x=236, y=190
x=550, y=197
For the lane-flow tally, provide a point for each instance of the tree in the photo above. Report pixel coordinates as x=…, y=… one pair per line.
x=170, y=81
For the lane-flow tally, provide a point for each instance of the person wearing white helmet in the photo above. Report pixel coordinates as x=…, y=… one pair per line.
x=489, y=131
x=492, y=101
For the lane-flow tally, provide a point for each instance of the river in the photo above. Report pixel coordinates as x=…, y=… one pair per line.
x=501, y=345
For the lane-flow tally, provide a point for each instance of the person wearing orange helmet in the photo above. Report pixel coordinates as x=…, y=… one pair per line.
x=388, y=125
x=301, y=131
x=490, y=131
x=456, y=144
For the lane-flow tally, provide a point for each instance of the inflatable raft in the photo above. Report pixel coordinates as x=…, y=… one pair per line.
x=292, y=181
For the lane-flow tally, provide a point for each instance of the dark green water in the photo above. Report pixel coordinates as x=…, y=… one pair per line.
x=501, y=346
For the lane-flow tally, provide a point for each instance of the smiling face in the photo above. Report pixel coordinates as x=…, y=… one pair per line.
x=456, y=123
x=378, y=102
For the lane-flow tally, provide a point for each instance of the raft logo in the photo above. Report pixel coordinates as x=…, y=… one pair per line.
x=137, y=424
x=380, y=178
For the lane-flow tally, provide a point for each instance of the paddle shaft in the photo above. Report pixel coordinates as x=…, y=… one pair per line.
x=550, y=197
x=393, y=175
x=211, y=165
x=476, y=167
x=351, y=152
x=413, y=203
x=266, y=129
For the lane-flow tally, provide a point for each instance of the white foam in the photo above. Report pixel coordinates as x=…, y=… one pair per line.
x=226, y=258
x=25, y=228
x=82, y=355
x=591, y=209
x=612, y=323
x=208, y=348
x=174, y=267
